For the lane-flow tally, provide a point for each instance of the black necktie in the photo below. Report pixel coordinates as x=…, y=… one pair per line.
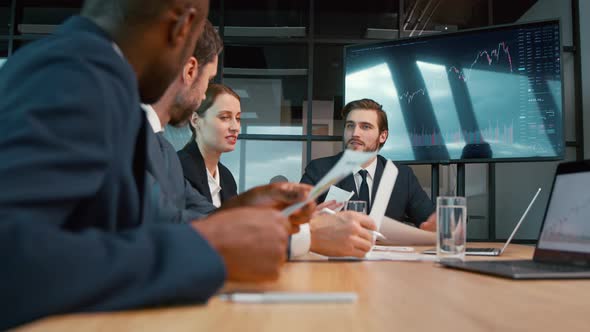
x=364, y=189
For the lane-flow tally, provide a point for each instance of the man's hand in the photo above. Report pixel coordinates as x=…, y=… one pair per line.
x=252, y=241
x=277, y=196
x=344, y=234
x=332, y=205
x=430, y=223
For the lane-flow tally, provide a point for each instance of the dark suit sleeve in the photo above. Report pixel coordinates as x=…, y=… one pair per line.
x=49, y=271
x=420, y=206
x=197, y=205
x=55, y=154
x=311, y=175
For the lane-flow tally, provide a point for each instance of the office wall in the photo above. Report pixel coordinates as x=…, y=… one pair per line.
x=517, y=182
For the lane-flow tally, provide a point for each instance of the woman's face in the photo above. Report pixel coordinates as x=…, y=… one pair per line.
x=218, y=129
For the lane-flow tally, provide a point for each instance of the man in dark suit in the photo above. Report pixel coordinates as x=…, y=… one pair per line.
x=366, y=129
x=76, y=231
x=175, y=198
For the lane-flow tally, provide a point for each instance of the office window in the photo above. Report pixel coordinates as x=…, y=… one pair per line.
x=285, y=17
x=270, y=102
x=254, y=163
x=328, y=93
x=178, y=136
x=4, y=16
x=37, y=18
x=343, y=19
x=3, y=51
x=324, y=149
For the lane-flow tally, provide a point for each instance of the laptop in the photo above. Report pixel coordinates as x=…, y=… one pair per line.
x=563, y=247
x=494, y=251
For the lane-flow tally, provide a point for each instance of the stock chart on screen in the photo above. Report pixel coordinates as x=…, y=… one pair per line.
x=491, y=94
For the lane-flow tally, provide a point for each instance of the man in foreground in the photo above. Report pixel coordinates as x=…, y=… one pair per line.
x=76, y=228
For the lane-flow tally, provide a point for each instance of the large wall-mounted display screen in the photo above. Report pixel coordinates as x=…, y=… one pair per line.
x=491, y=94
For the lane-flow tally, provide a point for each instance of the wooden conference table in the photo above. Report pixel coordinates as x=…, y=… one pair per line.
x=392, y=296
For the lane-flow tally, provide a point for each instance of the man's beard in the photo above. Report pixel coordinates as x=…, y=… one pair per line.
x=182, y=111
x=364, y=147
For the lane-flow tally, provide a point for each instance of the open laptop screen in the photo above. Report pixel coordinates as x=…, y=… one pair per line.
x=567, y=221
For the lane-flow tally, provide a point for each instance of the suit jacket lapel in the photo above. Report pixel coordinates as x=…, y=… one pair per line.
x=222, y=184
x=198, y=175
x=348, y=184
x=155, y=158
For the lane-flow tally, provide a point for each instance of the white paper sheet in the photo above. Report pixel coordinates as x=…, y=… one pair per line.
x=397, y=256
x=392, y=248
x=383, y=256
x=339, y=195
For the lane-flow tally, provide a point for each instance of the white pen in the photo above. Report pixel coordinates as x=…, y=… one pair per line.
x=289, y=297
x=375, y=233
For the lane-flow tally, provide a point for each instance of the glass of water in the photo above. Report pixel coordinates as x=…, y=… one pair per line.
x=358, y=206
x=451, y=227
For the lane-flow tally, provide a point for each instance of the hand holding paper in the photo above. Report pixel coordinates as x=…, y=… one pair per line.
x=338, y=195
x=348, y=162
x=278, y=196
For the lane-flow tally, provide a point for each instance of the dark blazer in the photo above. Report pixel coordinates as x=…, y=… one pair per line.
x=174, y=199
x=408, y=199
x=195, y=172
x=74, y=232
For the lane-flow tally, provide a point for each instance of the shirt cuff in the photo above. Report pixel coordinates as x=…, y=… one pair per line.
x=300, y=242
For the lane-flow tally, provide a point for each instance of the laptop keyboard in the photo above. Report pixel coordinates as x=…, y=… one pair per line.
x=481, y=249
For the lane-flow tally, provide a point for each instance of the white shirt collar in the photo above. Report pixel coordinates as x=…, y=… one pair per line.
x=152, y=117
x=371, y=169
x=118, y=50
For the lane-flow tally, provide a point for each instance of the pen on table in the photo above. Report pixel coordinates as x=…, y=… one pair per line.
x=377, y=234
x=289, y=297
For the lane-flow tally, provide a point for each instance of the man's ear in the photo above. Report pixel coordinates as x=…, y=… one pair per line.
x=190, y=71
x=383, y=136
x=194, y=119
x=181, y=29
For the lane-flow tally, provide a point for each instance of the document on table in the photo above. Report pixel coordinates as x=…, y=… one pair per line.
x=398, y=256
x=348, y=162
x=387, y=256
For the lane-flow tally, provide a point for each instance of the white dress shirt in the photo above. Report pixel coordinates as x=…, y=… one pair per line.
x=358, y=179
x=152, y=117
x=214, y=187
x=300, y=242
